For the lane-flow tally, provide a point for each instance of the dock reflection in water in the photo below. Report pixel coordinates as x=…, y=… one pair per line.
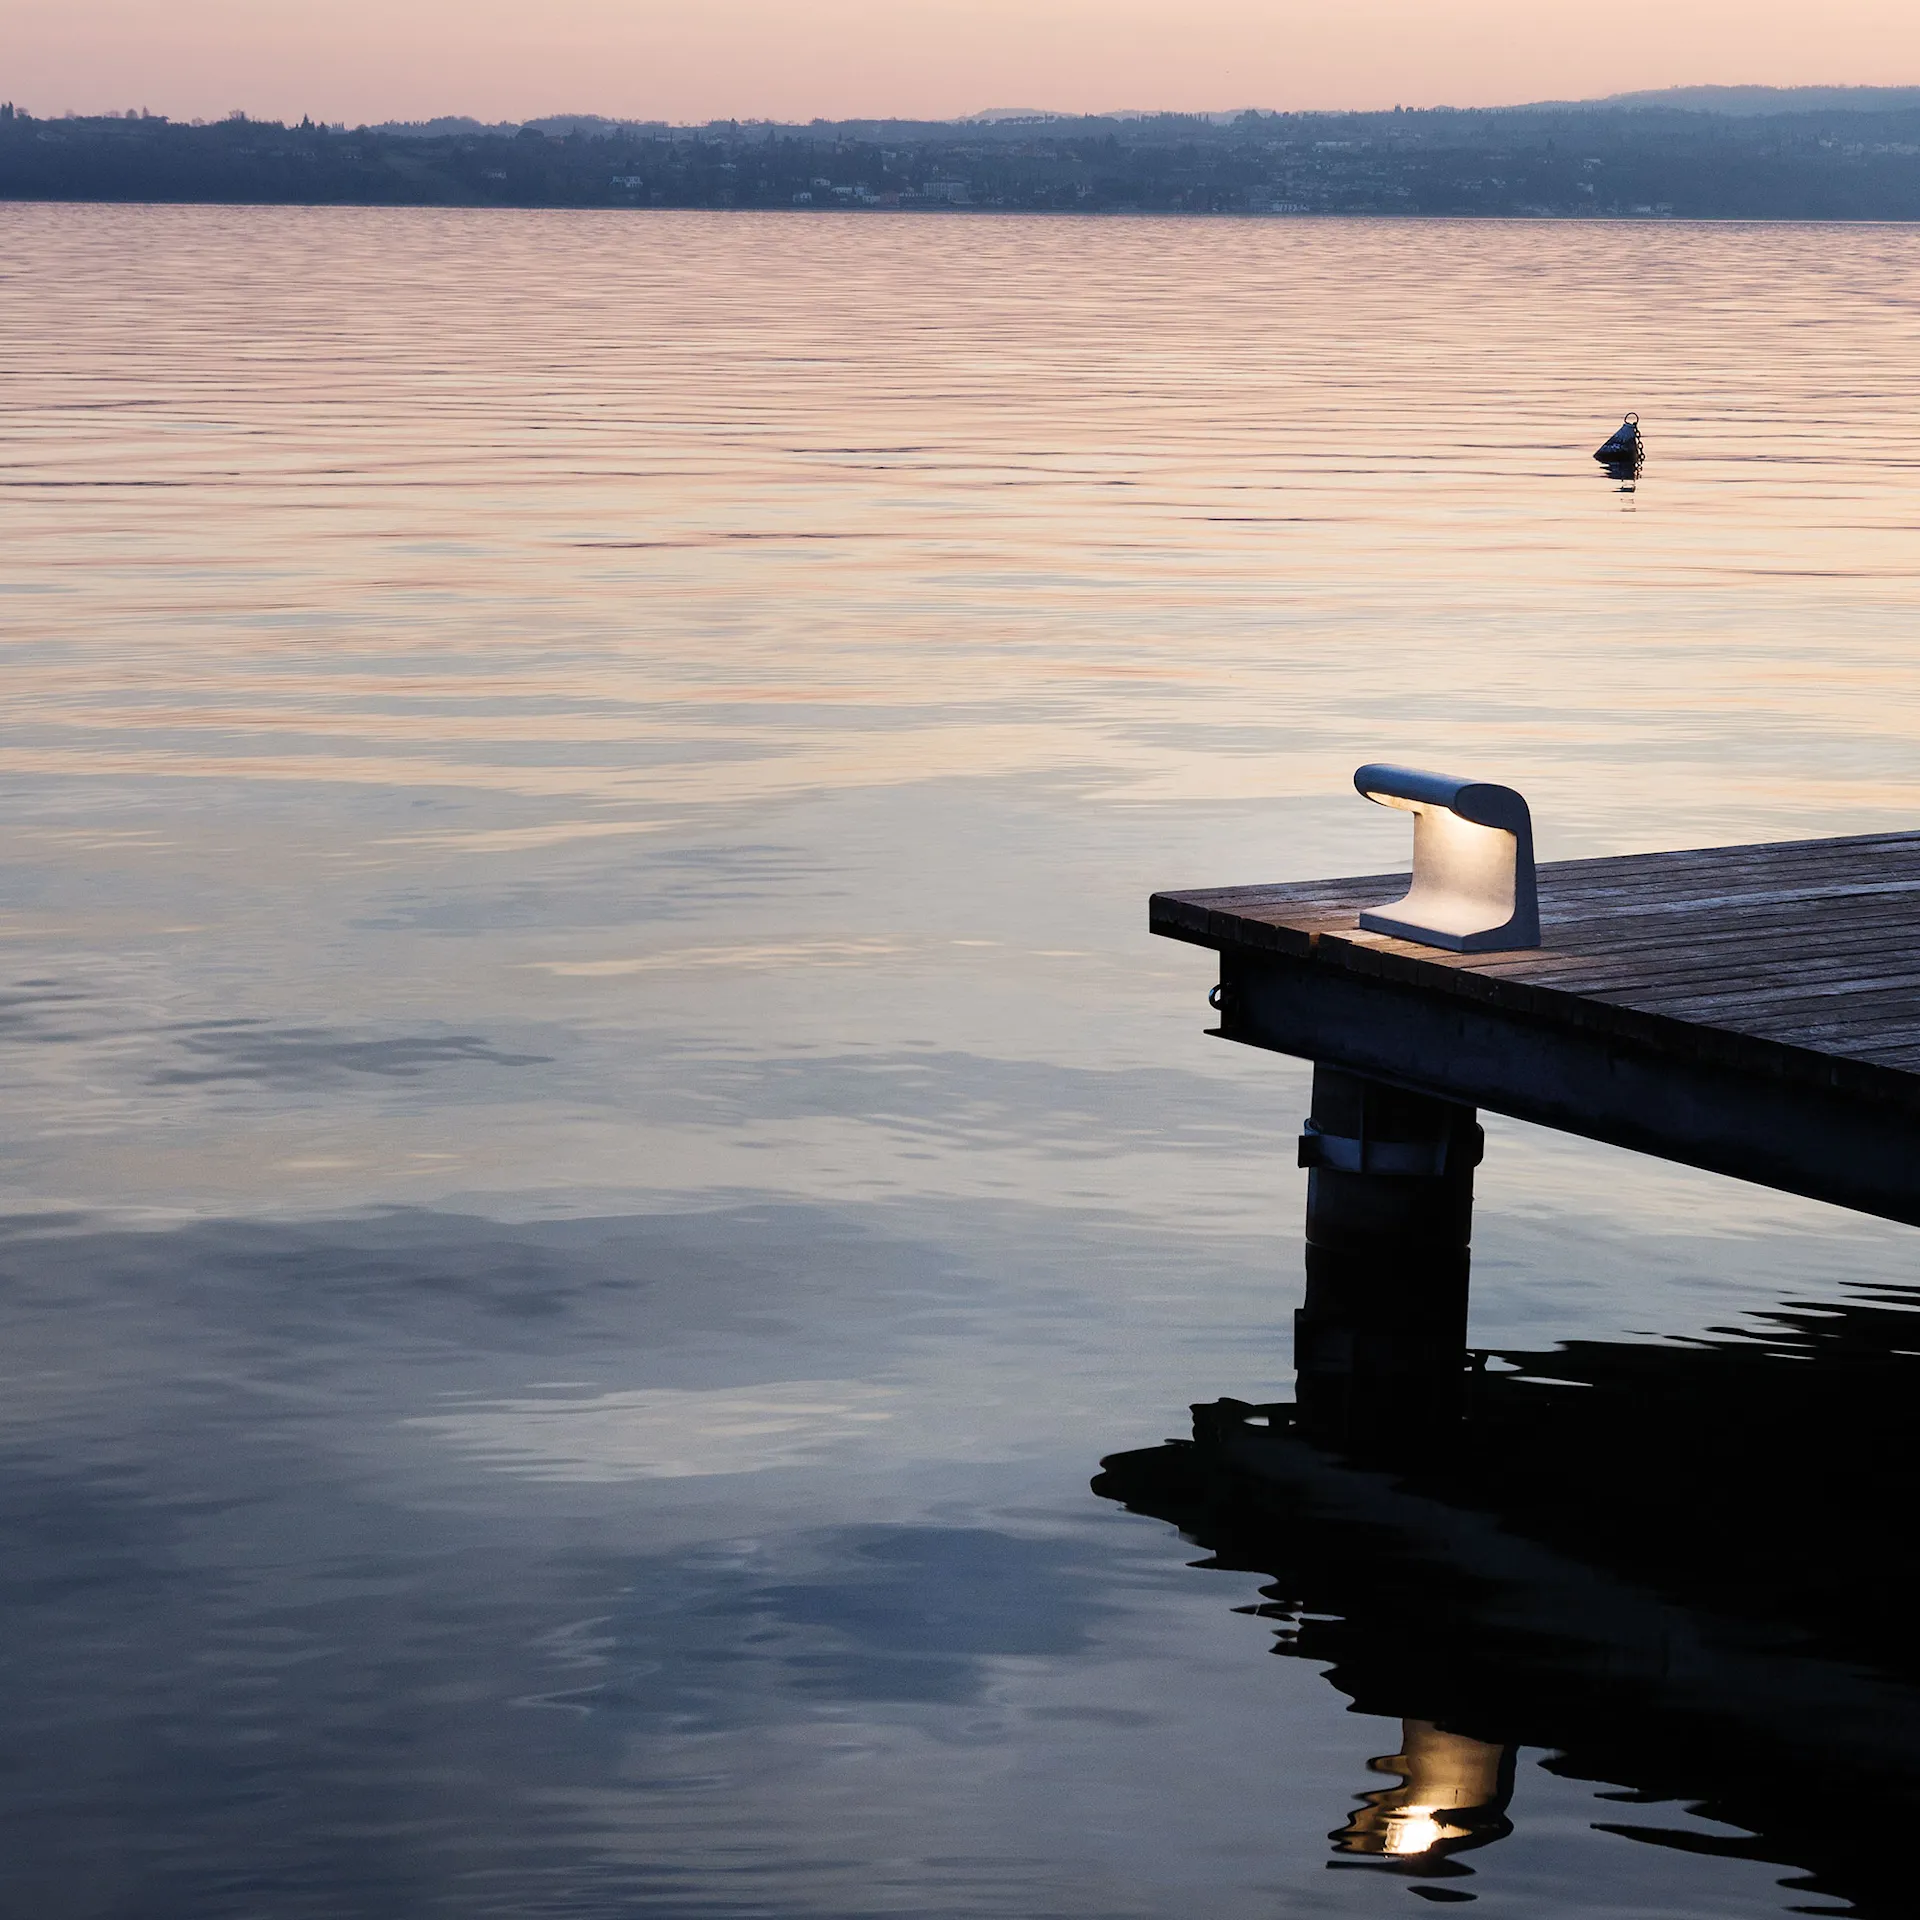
x=1686, y=1570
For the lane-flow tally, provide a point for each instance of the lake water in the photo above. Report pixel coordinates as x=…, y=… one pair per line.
x=596, y=1149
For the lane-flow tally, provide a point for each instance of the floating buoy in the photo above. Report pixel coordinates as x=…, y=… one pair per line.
x=1625, y=447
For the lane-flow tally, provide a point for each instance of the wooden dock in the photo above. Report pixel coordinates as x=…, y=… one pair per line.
x=1752, y=1010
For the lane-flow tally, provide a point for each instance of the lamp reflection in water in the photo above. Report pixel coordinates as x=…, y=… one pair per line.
x=1587, y=1565
x=1452, y=1796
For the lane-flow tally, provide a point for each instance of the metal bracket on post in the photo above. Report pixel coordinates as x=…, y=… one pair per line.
x=1355, y=1153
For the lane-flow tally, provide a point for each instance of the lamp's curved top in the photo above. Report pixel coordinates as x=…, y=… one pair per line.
x=1480, y=801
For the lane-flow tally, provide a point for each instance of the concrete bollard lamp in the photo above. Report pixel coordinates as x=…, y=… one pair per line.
x=1473, y=885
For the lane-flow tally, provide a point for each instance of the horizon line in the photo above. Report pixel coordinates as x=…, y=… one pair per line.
x=1039, y=115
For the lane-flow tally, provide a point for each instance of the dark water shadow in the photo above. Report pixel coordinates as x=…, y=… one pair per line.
x=306, y=1057
x=1688, y=1570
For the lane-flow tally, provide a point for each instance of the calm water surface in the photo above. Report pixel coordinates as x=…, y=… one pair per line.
x=596, y=1148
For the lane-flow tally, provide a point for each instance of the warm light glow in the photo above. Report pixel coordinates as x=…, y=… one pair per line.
x=1462, y=873
x=1414, y=1830
x=1441, y=1773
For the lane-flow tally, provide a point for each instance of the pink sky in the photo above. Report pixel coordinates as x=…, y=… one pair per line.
x=792, y=59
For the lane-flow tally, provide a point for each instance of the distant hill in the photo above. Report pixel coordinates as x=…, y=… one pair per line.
x=448, y=126
x=456, y=125
x=563, y=124
x=1746, y=102
x=1732, y=102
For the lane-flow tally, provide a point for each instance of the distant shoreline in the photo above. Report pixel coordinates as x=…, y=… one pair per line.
x=1633, y=163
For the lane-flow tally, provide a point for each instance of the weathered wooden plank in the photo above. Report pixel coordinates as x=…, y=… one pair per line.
x=1760, y=986
x=1764, y=868
x=1742, y=878
x=1740, y=974
x=1906, y=1057
x=1885, y=1017
x=1787, y=913
x=1629, y=947
x=1725, y=967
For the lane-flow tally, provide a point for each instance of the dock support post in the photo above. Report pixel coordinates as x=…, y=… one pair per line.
x=1380, y=1345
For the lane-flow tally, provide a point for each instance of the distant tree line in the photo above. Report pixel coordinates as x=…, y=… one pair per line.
x=1570, y=162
